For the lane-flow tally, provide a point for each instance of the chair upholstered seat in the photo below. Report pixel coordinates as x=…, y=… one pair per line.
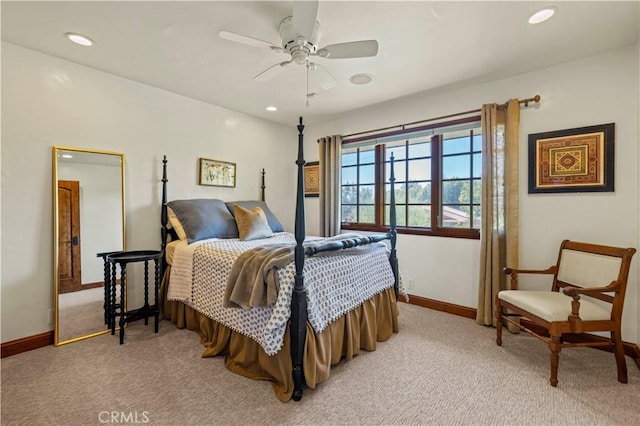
x=553, y=306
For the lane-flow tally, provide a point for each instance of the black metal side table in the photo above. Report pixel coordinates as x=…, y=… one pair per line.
x=118, y=310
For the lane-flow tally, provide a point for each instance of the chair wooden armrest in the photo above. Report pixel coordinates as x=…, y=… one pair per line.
x=575, y=292
x=550, y=270
x=513, y=273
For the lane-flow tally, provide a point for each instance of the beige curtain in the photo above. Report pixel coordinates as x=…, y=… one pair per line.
x=330, y=150
x=499, y=228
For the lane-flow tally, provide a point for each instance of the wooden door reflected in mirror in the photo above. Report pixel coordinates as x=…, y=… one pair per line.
x=88, y=211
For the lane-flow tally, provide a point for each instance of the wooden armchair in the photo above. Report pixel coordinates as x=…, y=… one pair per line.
x=584, y=272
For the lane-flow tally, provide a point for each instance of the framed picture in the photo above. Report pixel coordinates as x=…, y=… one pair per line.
x=217, y=173
x=312, y=179
x=572, y=160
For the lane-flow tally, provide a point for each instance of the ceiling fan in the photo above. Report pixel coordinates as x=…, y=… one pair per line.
x=300, y=34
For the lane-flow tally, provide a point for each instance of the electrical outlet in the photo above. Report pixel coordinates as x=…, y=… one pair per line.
x=411, y=285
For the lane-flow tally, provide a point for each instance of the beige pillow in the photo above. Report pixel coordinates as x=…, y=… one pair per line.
x=252, y=224
x=175, y=223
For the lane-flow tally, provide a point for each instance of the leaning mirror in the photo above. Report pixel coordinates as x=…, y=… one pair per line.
x=88, y=212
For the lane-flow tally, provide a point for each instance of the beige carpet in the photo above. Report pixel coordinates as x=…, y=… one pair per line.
x=440, y=369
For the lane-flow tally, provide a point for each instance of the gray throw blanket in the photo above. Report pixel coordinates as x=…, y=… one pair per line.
x=253, y=280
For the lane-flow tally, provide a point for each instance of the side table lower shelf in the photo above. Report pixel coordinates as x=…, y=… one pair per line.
x=118, y=309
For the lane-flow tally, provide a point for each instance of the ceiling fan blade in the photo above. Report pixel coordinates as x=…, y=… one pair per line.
x=250, y=41
x=304, y=17
x=322, y=77
x=271, y=72
x=352, y=49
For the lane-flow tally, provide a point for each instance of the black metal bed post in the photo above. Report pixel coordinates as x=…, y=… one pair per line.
x=163, y=215
x=393, y=256
x=262, y=187
x=298, y=325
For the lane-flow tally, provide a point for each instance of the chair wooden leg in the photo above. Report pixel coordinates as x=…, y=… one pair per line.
x=555, y=347
x=498, y=324
x=619, y=353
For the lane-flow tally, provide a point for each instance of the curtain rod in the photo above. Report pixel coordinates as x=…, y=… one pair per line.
x=526, y=102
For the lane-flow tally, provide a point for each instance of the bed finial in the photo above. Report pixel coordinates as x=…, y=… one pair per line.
x=262, y=187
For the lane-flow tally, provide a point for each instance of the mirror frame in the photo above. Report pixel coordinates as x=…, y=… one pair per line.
x=56, y=149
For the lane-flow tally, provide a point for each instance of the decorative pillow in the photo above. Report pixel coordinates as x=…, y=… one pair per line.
x=204, y=218
x=274, y=223
x=174, y=223
x=252, y=224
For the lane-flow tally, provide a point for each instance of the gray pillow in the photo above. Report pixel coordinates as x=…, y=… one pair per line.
x=274, y=223
x=204, y=218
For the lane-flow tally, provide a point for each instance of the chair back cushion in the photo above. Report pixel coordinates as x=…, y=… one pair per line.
x=588, y=269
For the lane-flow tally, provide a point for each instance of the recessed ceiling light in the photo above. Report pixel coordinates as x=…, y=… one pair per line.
x=271, y=108
x=542, y=15
x=361, y=79
x=66, y=156
x=80, y=39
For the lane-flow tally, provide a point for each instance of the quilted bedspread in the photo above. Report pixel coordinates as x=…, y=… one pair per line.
x=336, y=282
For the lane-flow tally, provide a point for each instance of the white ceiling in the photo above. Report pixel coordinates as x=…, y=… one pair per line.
x=423, y=46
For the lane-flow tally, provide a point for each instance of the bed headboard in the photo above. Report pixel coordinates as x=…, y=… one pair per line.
x=165, y=232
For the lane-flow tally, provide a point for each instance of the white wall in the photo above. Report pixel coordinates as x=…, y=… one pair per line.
x=595, y=90
x=47, y=101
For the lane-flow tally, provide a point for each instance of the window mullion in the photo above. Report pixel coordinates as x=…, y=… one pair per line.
x=358, y=185
x=471, y=180
x=406, y=183
x=436, y=181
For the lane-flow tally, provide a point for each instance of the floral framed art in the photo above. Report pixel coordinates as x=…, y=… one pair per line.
x=572, y=160
x=217, y=173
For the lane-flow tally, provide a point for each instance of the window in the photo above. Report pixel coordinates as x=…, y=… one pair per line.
x=438, y=180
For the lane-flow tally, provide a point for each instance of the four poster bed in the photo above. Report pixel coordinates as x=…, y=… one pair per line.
x=300, y=307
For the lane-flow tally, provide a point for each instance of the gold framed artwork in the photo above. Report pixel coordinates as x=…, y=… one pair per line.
x=572, y=160
x=217, y=173
x=312, y=179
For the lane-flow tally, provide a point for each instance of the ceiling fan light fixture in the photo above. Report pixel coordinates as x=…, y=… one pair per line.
x=542, y=15
x=271, y=108
x=80, y=39
x=361, y=79
x=300, y=35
